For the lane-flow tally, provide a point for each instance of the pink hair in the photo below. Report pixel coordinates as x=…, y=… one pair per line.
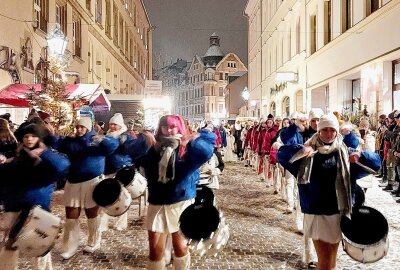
x=173, y=121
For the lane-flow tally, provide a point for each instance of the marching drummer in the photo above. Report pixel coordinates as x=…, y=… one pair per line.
x=325, y=182
x=28, y=180
x=117, y=160
x=87, y=154
x=171, y=168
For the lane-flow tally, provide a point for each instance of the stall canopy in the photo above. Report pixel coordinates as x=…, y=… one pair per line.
x=14, y=95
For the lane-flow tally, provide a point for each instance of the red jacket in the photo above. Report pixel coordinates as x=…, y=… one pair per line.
x=268, y=136
x=247, y=140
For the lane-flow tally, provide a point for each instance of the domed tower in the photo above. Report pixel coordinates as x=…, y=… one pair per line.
x=214, y=53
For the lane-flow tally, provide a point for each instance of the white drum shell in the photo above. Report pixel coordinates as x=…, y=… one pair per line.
x=38, y=234
x=215, y=244
x=366, y=253
x=138, y=186
x=121, y=205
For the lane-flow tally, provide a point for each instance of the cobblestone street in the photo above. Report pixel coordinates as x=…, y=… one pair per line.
x=262, y=237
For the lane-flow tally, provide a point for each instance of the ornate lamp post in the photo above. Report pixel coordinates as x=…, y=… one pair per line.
x=56, y=45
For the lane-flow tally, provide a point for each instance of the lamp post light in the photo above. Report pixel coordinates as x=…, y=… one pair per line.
x=246, y=96
x=56, y=45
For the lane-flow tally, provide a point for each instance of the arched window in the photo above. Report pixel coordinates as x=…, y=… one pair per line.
x=299, y=101
x=286, y=107
x=298, y=36
x=272, y=108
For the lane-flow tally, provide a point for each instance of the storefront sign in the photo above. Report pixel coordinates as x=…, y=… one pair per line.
x=286, y=77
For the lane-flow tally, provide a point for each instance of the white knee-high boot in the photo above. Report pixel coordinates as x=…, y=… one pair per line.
x=156, y=265
x=182, y=263
x=8, y=259
x=103, y=221
x=122, y=222
x=43, y=263
x=94, y=238
x=71, y=238
x=168, y=250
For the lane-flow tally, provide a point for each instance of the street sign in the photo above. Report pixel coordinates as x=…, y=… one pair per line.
x=152, y=88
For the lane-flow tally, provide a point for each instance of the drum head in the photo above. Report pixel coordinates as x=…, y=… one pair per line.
x=106, y=192
x=199, y=221
x=367, y=226
x=204, y=195
x=125, y=175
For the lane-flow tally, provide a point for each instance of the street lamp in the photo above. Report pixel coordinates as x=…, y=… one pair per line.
x=56, y=45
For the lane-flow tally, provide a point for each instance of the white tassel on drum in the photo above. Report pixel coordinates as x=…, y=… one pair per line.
x=94, y=238
x=156, y=265
x=71, y=238
x=182, y=263
x=9, y=259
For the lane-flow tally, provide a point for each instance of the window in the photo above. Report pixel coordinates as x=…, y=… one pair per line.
x=121, y=32
x=299, y=101
x=221, y=76
x=41, y=8
x=61, y=17
x=221, y=91
x=115, y=23
x=396, y=83
x=77, y=37
x=313, y=34
x=99, y=11
x=272, y=108
x=372, y=6
x=346, y=15
x=327, y=21
x=286, y=107
x=108, y=18
x=88, y=4
x=220, y=108
x=232, y=64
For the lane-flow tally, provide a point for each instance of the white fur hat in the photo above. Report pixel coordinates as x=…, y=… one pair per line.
x=117, y=119
x=328, y=120
x=315, y=113
x=86, y=122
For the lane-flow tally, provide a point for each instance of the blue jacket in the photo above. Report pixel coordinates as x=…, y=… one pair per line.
x=291, y=135
x=319, y=196
x=183, y=187
x=119, y=158
x=87, y=159
x=26, y=183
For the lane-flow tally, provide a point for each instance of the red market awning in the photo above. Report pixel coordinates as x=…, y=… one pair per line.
x=14, y=95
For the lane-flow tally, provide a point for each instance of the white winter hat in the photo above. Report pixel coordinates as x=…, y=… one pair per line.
x=315, y=113
x=117, y=119
x=328, y=120
x=85, y=122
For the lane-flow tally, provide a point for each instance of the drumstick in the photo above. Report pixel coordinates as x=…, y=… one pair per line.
x=365, y=168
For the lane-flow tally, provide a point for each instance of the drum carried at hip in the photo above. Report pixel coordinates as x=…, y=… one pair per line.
x=36, y=233
x=132, y=180
x=204, y=225
x=365, y=235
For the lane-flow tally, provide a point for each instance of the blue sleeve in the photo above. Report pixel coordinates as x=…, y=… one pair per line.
x=201, y=149
x=369, y=159
x=285, y=153
x=136, y=147
x=290, y=135
x=104, y=148
x=55, y=165
x=350, y=140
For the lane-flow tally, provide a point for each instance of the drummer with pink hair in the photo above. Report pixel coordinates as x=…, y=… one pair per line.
x=171, y=166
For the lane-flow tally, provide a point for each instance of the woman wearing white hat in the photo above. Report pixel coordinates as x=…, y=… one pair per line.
x=86, y=153
x=325, y=185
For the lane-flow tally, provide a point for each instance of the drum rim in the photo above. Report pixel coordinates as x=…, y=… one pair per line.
x=113, y=179
x=364, y=248
x=383, y=240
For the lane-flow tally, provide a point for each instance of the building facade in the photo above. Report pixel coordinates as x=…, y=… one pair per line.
x=339, y=55
x=204, y=99
x=109, y=42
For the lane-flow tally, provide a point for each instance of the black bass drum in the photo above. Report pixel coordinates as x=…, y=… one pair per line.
x=365, y=235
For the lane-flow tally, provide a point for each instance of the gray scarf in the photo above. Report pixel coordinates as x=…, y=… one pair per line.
x=166, y=149
x=342, y=184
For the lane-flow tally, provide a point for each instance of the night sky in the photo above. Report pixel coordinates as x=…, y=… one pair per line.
x=183, y=27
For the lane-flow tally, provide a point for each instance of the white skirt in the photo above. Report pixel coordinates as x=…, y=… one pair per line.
x=324, y=228
x=165, y=218
x=80, y=194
